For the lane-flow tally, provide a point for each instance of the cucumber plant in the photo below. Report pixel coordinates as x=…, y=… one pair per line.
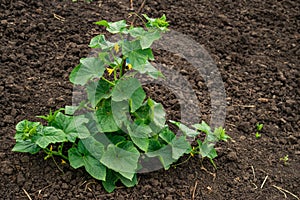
x=118, y=128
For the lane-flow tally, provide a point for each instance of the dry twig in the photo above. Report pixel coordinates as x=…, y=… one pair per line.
x=283, y=191
x=27, y=194
x=194, y=190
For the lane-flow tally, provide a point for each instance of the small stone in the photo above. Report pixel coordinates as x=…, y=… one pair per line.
x=20, y=178
x=25, y=159
x=155, y=182
x=232, y=156
x=8, y=119
x=64, y=186
x=169, y=197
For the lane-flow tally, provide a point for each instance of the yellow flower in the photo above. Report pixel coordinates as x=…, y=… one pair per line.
x=129, y=66
x=116, y=47
x=51, y=148
x=110, y=71
x=63, y=162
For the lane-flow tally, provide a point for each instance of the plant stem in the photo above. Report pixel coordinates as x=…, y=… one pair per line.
x=108, y=81
x=59, y=154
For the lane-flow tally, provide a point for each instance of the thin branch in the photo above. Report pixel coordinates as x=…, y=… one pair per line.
x=194, y=190
x=285, y=191
x=27, y=194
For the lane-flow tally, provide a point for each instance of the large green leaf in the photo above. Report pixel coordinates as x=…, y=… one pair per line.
x=180, y=146
x=26, y=146
x=122, y=158
x=105, y=117
x=165, y=156
x=100, y=42
x=88, y=69
x=97, y=91
x=80, y=156
x=129, y=89
x=113, y=27
x=93, y=146
x=139, y=135
x=146, y=38
x=73, y=127
x=51, y=135
x=136, y=55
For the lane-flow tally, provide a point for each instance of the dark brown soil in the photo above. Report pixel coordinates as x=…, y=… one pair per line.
x=255, y=45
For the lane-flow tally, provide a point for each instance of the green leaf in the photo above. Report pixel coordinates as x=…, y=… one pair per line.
x=26, y=147
x=88, y=69
x=93, y=146
x=165, y=156
x=139, y=135
x=127, y=182
x=149, y=69
x=100, y=42
x=122, y=159
x=75, y=158
x=73, y=127
x=204, y=127
x=97, y=91
x=113, y=27
x=180, y=146
x=51, y=135
x=186, y=130
x=102, y=23
x=157, y=116
x=154, y=145
x=221, y=134
x=80, y=156
x=136, y=55
x=129, y=89
x=26, y=130
x=167, y=135
x=146, y=37
x=159, y=23
x=207, y=149
x=110, y=183
x=105, y=117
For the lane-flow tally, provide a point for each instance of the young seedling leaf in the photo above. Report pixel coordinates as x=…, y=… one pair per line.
x=114, y=27
x=204, y=127
x=186, y=130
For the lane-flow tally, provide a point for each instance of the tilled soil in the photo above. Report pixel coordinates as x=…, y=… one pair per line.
x=255, y=45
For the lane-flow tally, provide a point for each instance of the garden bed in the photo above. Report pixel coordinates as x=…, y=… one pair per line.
x=255, y=45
